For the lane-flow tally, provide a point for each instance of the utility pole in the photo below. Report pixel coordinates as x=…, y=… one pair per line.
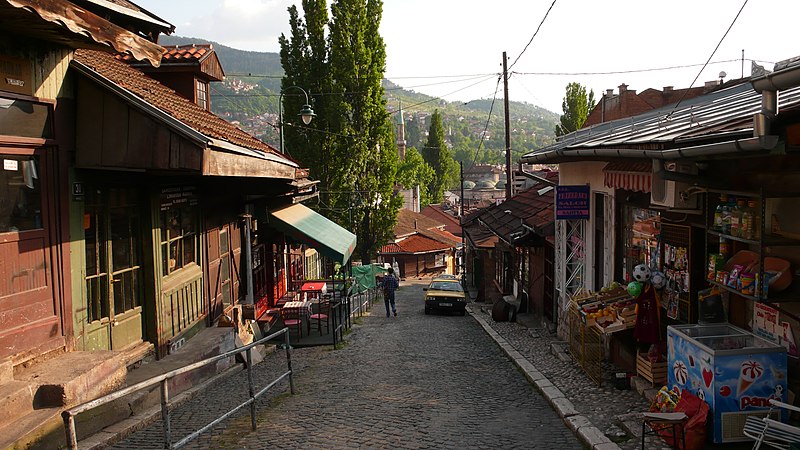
x=461, y=224
x=508, y=130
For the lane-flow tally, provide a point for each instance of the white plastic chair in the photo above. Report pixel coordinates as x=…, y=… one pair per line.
x=774, y=433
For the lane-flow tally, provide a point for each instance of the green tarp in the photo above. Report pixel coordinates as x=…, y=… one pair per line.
x=364, y=276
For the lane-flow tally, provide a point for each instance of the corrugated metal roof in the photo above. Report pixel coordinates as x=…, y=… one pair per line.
x=723, y=114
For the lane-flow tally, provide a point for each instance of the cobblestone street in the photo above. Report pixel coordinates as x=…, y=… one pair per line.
x=412, y=381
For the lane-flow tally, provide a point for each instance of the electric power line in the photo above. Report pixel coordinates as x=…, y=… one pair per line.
x=486, y=127
x=617, y=72
x=709, y=58
x=534, y=34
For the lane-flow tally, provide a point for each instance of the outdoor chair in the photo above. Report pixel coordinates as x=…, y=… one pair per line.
x=292, y=321
x=771, y=432
x=322, y=313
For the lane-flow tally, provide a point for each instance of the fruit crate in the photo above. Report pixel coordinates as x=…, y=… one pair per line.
x=655, y=373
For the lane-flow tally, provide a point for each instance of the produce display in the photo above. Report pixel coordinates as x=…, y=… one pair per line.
x=611, y=309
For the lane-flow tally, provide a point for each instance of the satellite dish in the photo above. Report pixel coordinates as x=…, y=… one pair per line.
x=723, y=74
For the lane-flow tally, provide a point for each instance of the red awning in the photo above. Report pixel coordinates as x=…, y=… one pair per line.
x=629, y=175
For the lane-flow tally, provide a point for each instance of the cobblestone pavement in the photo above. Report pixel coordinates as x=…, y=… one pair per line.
x=412, y=381
x=605, y=406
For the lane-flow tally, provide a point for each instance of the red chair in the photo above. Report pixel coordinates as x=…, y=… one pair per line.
x=322, y=314
x=291, y=320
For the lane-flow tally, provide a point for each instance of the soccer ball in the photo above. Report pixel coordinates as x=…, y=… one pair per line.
x=658, y=280
x=641, y=273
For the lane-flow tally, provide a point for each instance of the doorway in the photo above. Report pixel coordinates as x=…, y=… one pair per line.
x=599, y=240
x=113, y=279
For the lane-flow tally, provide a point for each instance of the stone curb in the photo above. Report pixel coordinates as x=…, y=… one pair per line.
x=580, y=425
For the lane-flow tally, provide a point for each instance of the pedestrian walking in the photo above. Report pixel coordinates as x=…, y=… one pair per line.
x=390, y=284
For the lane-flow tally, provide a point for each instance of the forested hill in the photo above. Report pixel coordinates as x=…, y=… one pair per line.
x=249, y=96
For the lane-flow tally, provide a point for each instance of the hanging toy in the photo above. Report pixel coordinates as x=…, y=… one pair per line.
x=658, y=279
x=642, y=273
x=634, y=289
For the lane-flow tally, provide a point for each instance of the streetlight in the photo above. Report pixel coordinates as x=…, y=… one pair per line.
x=306, y=113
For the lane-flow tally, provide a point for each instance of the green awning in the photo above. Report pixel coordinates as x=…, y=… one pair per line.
x=317, y=231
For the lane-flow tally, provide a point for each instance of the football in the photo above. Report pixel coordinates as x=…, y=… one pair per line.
x=641, y=273
x=658, y=280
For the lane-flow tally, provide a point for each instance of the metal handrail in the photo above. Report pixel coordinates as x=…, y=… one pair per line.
x=69, y=415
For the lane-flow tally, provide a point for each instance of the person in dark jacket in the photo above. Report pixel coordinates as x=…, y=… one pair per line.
x=390, y=284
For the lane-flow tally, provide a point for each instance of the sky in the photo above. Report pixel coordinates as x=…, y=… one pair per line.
x=453, y=49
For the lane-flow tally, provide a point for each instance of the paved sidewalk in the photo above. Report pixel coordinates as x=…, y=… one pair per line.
x=604, y=418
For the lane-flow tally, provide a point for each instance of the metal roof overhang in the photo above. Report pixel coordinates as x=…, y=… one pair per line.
x=307, y=226
x=62, y=22
x=727, y=148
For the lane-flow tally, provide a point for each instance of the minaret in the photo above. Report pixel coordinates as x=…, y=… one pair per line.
x=401, y=133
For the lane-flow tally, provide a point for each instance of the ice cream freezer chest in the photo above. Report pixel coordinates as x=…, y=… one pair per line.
x=733, y=370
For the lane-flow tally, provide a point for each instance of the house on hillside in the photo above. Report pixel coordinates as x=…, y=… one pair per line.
x=421, y=247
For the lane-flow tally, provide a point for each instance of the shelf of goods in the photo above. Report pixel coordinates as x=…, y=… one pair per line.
x=751, y=272
x=609, y=311
x=678, y=250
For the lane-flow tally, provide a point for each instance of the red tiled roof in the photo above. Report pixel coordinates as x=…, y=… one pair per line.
x=436, y=212
x=443, y=236
x=415, y=244
x=179, y=53
x=168, y=100
x=409, y=222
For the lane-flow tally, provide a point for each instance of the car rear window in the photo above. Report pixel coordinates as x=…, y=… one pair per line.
x=445, y=286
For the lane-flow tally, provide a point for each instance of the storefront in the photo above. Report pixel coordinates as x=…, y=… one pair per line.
x=710, y=274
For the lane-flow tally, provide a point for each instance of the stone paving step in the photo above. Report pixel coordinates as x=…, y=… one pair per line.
x=16, y=400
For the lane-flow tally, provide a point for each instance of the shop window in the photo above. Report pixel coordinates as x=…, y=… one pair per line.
x=20, y=194
x=25, y=118
x=179, y=229
x=439, y=260
x=111, y=248
x=642, y=230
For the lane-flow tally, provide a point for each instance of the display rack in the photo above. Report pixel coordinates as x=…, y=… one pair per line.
x=765, y=240
x=676, y=264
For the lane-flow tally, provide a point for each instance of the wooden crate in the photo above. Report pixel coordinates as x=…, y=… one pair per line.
x=655, y=373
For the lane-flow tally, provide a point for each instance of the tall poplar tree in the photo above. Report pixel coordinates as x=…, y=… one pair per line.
x=576, y=106
x=437, y=155
x=355, y=156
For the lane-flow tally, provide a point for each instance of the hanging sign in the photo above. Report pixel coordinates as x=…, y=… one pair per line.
x=572, y=202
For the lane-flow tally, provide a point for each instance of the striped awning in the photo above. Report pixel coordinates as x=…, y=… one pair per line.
x=629, y=175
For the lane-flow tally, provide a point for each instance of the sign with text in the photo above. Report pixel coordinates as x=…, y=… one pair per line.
x=766, y=322
x=572, y=202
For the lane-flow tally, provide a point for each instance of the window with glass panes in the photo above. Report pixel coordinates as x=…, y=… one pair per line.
x=179, y=229
x=202, y=94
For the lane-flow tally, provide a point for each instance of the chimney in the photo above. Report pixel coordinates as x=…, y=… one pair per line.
x=609, y=93
x=668, y=89
x=415, y=224
x=622, y=88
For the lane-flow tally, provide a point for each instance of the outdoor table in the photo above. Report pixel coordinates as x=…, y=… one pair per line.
x=313, y=287
x=300, y=310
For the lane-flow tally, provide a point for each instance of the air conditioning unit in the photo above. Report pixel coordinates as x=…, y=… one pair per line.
x=673, y=194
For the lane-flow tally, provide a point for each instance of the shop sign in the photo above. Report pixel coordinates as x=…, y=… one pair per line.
x=177, y=196
x=572, y=202
x=15, y=75
x=765, y=322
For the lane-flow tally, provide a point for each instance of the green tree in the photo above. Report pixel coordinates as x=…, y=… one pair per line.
x=576, y=106
x=414, y=171
x=350, y=146
x=438, y=156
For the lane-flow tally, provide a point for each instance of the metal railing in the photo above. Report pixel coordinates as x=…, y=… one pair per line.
x=69, y=415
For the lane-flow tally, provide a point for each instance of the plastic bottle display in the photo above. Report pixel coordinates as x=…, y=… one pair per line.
x=726, y=216
x=747, y=222
x=718, y=212
x=724, y=250
x=736, y=218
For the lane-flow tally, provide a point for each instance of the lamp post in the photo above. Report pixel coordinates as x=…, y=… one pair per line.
x=306, y=113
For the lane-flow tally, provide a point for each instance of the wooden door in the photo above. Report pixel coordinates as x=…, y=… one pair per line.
x=223, y=246
x=113, y=279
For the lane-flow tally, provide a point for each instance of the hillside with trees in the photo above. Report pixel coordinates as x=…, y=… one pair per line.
x=249, y=97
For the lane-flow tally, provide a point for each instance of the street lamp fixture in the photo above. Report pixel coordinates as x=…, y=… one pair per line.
x=306, y=113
